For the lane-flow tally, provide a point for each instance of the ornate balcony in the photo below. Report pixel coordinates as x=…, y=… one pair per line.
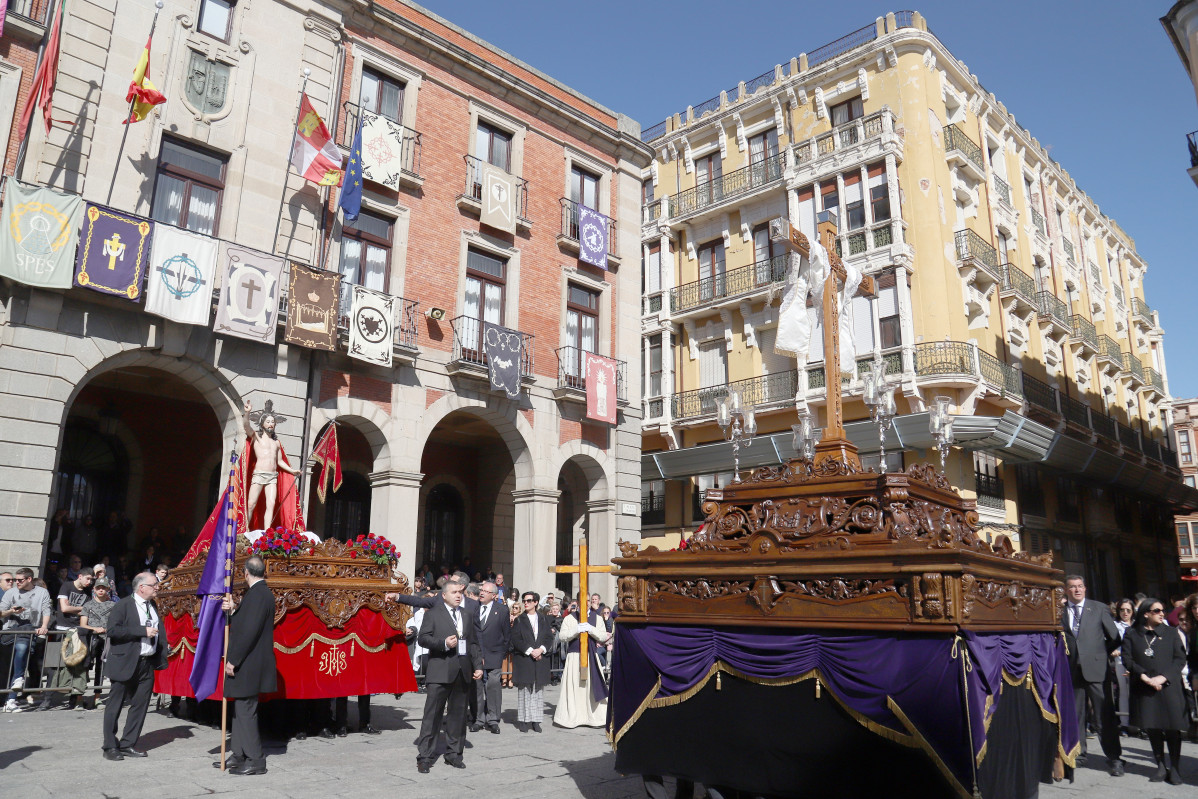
x=1133, y=369
x=567, y=240
x=1153, y=381
x=1110, y=357
x=873, y=135
x=775, y=389
x=959, y=150
x=471, y=197
x=409, y=155
x=1002, y=190
x=653, y=510
x=1084, y=335
x=1054, y=314
x=974, y=253
x=468, y=355
x=572, y=377
x=1019, y=289
x=713, y=290
x=1038, y=222
x=1067, y=246
x=964, y=364
x=733, y=185
x=990, y=491
x=1075, y=411
x=405, y=335
x=1041, y=395
x=1142, y=314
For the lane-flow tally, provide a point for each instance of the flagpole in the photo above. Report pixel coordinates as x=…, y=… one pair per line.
x=117, y=166
x=24, y=145
x=274, y=244
x=230, y=549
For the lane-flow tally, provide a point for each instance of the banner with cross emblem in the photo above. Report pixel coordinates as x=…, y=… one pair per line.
x=498, y=199
x=249, y=295
x=114, y=250
x=182, y=270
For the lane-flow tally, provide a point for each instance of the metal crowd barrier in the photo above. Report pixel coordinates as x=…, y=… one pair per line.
x=35, y=659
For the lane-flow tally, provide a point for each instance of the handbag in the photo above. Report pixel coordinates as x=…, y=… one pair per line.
x=74, y=651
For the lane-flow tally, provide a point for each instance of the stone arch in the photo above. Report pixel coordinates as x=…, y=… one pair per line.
x=430, y=482
x=594, y=462
x=375, y=425
x=504, y=416
x=133, y=455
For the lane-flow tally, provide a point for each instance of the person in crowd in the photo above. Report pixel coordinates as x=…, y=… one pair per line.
x=514, y=611
x=454, y=659
x=609, y=627
x=94, y=619
x=136, y=651
x=341, y=716
x=85, y=540
x=1185, y=624
x=500, y=588
x=61, y=528
x=100, y=571
x=1091, y=636
x=582, y=703
x=24, y=607
x=1124, y=611
x=250, y=666
x=71, y=597
x=532, y=639
x=74, y=564
x=1153, y=655
x=161, y=571
x=496, y=631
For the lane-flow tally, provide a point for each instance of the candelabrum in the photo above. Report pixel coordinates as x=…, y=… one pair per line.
x=739, y=425
x=940, y=424
x=804, y=435
x=879, y=398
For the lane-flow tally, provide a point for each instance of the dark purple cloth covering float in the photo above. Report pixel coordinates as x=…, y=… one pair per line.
x=931, y=692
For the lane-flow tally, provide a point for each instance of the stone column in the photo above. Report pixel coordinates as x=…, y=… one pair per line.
x=535, y=545
x=394, y=505
x=601, y=541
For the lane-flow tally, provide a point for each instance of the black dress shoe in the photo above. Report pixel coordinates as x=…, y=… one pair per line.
x=131, y=752
x=370, y=730
x=1174, y=777
x=342, y=731
x=301, y=736
x=245, y=770
x=536, y=727
x=494, y=728
x=1116, y=769
x=113, y=754
x=522, y=726
x=1160, y=774
x=422, y=767
x=456, y=762
x=325, y=732
x=230, y=763
x=475, y=727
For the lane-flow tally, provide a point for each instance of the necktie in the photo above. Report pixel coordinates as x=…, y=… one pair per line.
x=149, y=619
x=457, y=622
x=1077, y=618
x=484, y=614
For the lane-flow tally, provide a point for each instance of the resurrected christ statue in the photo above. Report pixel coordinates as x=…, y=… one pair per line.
x=267, y=464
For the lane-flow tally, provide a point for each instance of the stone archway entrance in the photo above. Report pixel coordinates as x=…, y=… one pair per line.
x=582, y=509
x=344, y=513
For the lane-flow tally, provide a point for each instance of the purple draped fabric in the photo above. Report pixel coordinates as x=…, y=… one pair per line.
x=908, y=687
x=210, y=649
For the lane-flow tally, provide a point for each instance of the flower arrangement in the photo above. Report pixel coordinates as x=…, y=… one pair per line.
x=281, y=542
x=376, y=548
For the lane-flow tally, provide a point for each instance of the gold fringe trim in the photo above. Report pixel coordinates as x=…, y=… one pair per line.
x=1029, y=682
x=179, y=647
x=310, y=643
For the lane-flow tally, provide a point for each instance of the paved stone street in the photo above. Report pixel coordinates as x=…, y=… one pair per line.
x=57, y=753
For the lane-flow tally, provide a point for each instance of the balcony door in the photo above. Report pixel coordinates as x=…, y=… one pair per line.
x=713, y=373
x=486, y=279
x=708, y=171
x=763, y=163
x=711, y=270
x=764, y=252
x=582, y=332
x=776, y=368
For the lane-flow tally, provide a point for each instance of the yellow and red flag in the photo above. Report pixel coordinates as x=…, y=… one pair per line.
x=314, y=154
x=142, y=93
x=328, y=456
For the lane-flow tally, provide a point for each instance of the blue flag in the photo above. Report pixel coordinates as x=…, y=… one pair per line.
x=350, y=201
x=215, y=582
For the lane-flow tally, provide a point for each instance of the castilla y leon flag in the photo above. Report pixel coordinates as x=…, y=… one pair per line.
x=142, y=93
x=329, y=458
x=313, y=153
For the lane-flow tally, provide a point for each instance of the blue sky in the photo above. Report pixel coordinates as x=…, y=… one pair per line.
x=1097, y=82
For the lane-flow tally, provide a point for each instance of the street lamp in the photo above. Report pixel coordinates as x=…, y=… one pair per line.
x=804, y=436
x=879, y=398
x=940, y=424
x=739, y=425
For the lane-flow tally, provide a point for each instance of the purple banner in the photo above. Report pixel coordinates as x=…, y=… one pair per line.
x=114, y=250
x=592, y=236
x=215, y=582
x=928, y=691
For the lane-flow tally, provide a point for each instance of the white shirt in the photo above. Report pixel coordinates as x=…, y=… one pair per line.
x=532, y=619
x=145, y=611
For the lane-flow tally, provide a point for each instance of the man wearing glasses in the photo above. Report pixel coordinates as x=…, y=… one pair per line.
x=136, y=651
x=1091, y=635
x=24, y=606
x=496, y=632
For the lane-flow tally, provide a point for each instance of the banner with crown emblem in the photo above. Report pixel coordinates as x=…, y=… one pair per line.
x=40, y=233
x=182, y=270
x=382, y=150
x=371, y=326
x=249, y=295
x=114, y=250
x=592, y=237
x=312, y=301
x=601, y=387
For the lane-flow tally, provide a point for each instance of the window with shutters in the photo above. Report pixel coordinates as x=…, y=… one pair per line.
x=764, y=252
x=889, y=326
x=863, y=326
x=708, y=187
x=1183, y=540
x=1183, y=446
x=653, y=270
x=763, y=162
x=879, y=193
x=1031, y=490
x=713, y=364
x=711, y=270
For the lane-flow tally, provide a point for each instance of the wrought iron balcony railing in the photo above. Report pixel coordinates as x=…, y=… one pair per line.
x=863, y=240
x=960, y=358
x=468, y=344
x=1052, y=306
x=1192, y=142
x=406, y=330
x=1038, y=221
x=572, y=371
x=727, y=284
x=1015, y=279
x=653, y=303
x=1002, y=189
x=1084, y=331
x=726, y=187
x=955, y=139
x=1153, y=378
x=651, y=212
x=842, y=136
x=1075, y=411
x=1133, y=365
x=990, y=490
x=972, y=247
x=1067, y=246
x=409, y=155
x=35, y=11
x=1141, y=311
x=1040, y=394
x=1118, y=293
x=653, y=509
x=570, y=225
x=1103, y=424
x=778, y=387
x=1128, y=437
x=474, y=186
x=1095, y=276
x=1109, y=348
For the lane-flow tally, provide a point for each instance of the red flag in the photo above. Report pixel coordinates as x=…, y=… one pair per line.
x=328, y=456
x=42, y=91
x=142, y=92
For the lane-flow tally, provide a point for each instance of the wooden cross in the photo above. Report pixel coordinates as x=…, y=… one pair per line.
x=583, y=569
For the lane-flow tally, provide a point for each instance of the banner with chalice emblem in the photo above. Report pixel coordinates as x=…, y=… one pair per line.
x=498, y=199
x=39, y=230
x=371, y=326
x=114, y=250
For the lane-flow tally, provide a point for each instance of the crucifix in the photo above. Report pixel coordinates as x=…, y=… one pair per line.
x=834, y=443
x=582, y=570
x=250, y=287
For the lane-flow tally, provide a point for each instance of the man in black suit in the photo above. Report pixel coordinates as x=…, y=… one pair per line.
x=136, y=651
x=1091, y=636
x=454, y=659
x=250, y=666
x=493, y=621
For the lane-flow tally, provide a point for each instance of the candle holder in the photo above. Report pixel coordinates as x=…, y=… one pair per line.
x=940, y=424
x=804, y=436
x=879, y=398
x=738, y=424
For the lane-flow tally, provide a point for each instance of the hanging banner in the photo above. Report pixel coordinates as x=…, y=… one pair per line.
x=312, y=296
x=601, y=387
x=498, y=199
x=503, y=349
x=592, y=236
x=382, y=150
x=113, y=251
x=249, y=295
x=182, y=269
x=371, y=326
x=40, y=234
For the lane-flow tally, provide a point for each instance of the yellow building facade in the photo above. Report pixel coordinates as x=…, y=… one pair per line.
x=1000, y=284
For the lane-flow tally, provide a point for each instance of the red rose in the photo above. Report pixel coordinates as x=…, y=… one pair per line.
x=353, y=554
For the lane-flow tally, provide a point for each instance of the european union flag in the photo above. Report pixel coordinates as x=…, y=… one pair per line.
x=350, y=201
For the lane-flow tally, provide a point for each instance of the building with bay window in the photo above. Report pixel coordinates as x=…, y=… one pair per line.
x=1000, y=284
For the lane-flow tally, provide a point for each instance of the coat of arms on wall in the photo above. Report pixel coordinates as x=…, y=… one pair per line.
x=206, y=84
